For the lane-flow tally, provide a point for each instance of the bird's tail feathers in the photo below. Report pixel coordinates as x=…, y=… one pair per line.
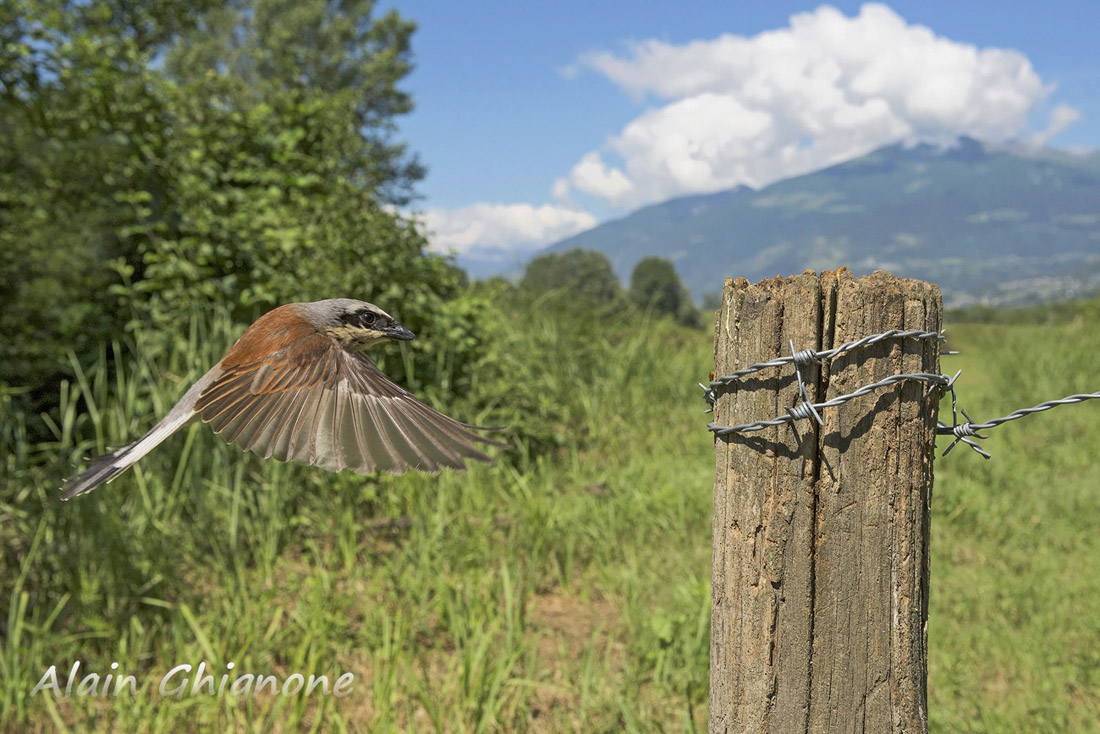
x=102, y=470
x=105, y=468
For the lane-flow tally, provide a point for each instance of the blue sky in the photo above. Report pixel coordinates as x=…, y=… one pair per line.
x=537, y=120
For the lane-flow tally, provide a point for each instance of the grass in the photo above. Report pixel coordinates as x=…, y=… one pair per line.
x=1014, y=625
x=565, y=588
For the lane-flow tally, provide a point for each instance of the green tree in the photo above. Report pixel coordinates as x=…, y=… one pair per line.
x=585, y=275
x=147, y=173
x=79, y=114
x=655, y=284
x=313, y=50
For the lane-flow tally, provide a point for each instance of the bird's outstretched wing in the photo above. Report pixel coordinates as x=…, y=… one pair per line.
x=316, y=403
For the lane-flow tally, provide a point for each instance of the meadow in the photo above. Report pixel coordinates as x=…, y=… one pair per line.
x=564, y=588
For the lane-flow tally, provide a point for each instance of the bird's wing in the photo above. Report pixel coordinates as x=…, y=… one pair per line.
x=314, y=402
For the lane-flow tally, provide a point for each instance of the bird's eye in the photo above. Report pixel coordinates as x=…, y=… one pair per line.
x=368, y=318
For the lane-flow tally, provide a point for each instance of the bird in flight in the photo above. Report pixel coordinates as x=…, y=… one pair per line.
x=295, y=387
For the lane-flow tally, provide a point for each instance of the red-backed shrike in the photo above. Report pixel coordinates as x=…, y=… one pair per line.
x=292, y=389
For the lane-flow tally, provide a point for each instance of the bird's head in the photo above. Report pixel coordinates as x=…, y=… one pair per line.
x=355, y=324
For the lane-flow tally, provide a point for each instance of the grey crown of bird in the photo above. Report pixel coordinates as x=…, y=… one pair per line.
x=295, y=387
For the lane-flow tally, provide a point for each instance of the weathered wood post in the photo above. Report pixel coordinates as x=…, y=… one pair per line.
x=820, y=575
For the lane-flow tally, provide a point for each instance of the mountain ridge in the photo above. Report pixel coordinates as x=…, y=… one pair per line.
x=993, y=224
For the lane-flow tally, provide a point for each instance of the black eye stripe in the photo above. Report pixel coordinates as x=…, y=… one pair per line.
x=362, y=319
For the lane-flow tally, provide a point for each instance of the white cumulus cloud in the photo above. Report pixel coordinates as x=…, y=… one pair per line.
x=592, y=176
x=1061, y=117
x=503, y=226
x=752, y=110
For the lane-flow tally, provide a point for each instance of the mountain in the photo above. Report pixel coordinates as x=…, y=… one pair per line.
x=1001, y=225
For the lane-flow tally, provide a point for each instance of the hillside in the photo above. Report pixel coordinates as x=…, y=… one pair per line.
x=996, y=225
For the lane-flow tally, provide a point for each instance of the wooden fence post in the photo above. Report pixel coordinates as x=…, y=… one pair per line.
x=820, y=573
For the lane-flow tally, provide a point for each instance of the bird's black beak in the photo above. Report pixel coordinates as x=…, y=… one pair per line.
x=399, y=332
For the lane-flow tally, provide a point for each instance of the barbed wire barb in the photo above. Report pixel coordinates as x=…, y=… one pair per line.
x=964, y=432
x=807, y=410
x=805, y=355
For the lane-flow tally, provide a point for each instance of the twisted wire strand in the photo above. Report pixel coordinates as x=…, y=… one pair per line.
x=966, y=431
x=806, y=409
x=807, y=356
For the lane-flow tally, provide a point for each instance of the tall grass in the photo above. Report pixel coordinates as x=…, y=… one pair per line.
x=1014, y=626
x=565, y=588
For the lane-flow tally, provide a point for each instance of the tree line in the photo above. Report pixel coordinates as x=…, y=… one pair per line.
x=589, y=278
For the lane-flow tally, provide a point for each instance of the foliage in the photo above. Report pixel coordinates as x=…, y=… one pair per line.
x=218, y=181
x=332, y=53
x=565, y=588
x=1014, y=616
x=77, y=106
x=263, y=215
x=586, y=275
x=655, y=284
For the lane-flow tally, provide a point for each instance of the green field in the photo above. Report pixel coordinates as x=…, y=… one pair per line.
x=565, y=588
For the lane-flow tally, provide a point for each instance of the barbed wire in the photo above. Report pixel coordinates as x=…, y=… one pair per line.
x=964, y=432
x=807, y=409
x=807, y=356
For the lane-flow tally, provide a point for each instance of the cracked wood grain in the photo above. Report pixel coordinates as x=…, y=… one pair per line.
x=820, y=570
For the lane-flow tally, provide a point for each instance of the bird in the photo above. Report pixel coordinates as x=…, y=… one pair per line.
x=296, y=386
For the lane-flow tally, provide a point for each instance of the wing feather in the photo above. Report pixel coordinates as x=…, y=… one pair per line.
x=299, y=442
x=432, y=447
x=237, y=429
x=417, y=454
x=386, y=455
x=315, y=403
x=322, y=446
x=344, y=428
